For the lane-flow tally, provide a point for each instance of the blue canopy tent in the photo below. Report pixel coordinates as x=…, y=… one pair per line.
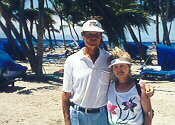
x=15, y=51
x=166, y=59
x=9, y=70
x=134, y=51
x=6, y=60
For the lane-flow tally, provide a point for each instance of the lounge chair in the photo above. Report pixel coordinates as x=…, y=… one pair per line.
x=56, y=58
x=166, y=60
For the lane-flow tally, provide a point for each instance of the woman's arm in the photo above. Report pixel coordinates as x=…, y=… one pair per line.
x=146, y=105
x=65, y=107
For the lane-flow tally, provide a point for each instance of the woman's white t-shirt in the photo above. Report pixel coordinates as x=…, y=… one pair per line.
x=125, y=107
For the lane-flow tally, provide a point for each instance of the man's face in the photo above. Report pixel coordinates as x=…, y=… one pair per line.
x=92, y=39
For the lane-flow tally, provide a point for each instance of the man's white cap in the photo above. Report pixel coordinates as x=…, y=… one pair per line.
x=92, y=25
x=118, y=61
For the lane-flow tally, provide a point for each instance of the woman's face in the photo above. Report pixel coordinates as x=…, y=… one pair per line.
x=121, y=70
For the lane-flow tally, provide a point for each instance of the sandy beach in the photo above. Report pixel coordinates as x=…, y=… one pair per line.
x=32, y=103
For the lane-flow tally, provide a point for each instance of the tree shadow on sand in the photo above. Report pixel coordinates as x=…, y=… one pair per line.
x=30, y=91
x=47, y=78
x=10, y=89
x=51, y=79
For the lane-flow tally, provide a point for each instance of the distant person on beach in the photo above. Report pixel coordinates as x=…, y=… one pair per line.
x=86, y=80
x=154, y=45
x=127, y=100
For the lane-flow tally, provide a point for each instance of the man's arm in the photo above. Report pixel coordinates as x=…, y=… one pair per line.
x=65, y=107
x=147, y=108
x=149, y=90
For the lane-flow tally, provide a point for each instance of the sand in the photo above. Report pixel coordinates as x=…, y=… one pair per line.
x=32, y=103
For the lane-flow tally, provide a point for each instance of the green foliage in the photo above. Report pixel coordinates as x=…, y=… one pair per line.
x=114, y=15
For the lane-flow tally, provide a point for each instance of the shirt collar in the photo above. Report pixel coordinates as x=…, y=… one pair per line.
x=82, y=55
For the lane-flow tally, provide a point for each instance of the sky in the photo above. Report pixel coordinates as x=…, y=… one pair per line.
x=145, y=38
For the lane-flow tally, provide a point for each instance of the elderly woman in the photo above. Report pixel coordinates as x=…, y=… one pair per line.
x=128, y=102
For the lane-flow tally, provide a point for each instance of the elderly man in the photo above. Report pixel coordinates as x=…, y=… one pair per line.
x=86, y=80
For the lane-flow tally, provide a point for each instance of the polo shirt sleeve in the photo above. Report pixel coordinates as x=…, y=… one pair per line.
x=67, y=81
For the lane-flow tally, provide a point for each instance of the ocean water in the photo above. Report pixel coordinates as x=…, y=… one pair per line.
x=68, y=42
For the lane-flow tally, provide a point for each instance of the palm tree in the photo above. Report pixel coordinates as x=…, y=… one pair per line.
x=48, y=21
x=31, y=22
x=23, y=26
x=163, y=9
x=152, y=7
x=7, y=15
x=131, y=15
x=39, y=58
x=68, y=11
x=58, y=8
x=20, y=55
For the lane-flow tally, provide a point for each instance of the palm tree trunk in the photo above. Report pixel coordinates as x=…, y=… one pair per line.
x=164, y=16
x=63, y=31
x=12, y=41
x=39, y=72
x=157, y=29
x=123, y=36
x=72, y=34
x=170, y=27
x=26, y=30
x=31, y=23
x=21, y=13
x=166, y=33
x=143, y=54
x=54, y=35
x=50, y=38
x=78, y=39
x=140, y=38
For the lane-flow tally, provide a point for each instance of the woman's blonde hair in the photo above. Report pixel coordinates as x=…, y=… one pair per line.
x=121, y=54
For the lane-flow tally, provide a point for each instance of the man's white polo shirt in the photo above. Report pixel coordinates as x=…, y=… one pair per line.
x=87, y=81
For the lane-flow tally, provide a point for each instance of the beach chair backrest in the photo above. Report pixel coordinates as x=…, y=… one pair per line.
x=166, y=57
